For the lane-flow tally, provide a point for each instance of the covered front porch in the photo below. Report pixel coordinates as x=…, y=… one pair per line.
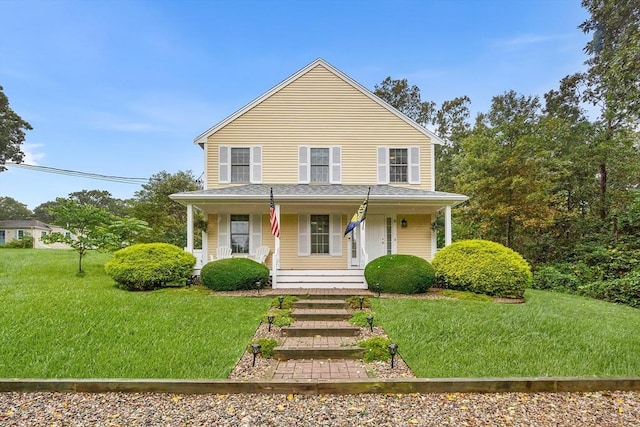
x=312, y=251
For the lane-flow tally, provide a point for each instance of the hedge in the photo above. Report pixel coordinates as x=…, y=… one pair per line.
x=400, y=274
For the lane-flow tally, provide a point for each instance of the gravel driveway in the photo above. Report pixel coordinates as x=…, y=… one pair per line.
x=507, y=409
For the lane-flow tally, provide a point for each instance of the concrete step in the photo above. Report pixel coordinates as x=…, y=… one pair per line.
x=322, y=314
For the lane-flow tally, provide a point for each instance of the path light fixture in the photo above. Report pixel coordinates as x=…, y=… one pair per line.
x=361, y=299
x=370, y=322
x=393, y=349
x=377, y=288
x=255, y=349
x=280, y=300
x=270, y=320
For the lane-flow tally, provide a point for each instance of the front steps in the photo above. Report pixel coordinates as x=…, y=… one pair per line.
x=320, y=279
x=320, y=331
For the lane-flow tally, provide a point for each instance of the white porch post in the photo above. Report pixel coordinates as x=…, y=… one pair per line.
x=447, y=225
x=190, y=228
x=363, y=240
x=275, y=259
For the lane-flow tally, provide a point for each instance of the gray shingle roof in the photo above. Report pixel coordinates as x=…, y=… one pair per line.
x=23, y=223
x=312, y=192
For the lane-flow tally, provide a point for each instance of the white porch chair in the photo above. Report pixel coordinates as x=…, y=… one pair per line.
x=261, y=254
x=222, y=252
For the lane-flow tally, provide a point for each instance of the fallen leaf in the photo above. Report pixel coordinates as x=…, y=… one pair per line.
x=290, y=397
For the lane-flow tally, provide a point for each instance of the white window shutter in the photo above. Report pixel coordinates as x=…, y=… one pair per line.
x=335, y=165
x=304, y=165
x=256, y=165
x=383, y=165
x=414, y=165
x=335, y=235
x=223, y=230
x=304, y=235
x=255, y=233
x=224, y=164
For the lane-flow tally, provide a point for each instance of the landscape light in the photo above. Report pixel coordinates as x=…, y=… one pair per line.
x=361, y=299
x=270, y=319
x=255, y=349
x=370, y=322
x=280, y=300
x=393, y=349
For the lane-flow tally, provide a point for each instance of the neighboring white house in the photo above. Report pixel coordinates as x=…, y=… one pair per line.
x=17, y=229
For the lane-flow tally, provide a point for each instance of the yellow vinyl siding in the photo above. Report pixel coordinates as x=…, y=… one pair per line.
x=212, y=236
x=318, y=109
x=415, y=239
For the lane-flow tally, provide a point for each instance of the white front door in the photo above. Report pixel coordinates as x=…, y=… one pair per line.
x=376, y=243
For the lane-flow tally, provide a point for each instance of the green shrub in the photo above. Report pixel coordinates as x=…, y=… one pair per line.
x=465, y=295
x=266, y=346
x=551, y=278
x=149, y=266
x=287, y=302
x=234, y=274
x=359, y=318
x=280, y=317
x=25, y=243
x=400, y=274
x=622, y=291
x=482, y=267
x=376, y=349
x=354, y=302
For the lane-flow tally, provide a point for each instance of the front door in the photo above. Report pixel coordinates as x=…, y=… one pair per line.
x=375, y=235
x=2, y=237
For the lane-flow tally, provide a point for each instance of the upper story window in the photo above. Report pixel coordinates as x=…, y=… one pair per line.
x=240, y=164
x=319, y=234
x=321, y=165
x=240, y=234
x=399, y=165
x=398, y=159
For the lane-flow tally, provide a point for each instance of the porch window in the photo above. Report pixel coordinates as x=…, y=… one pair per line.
x=320, y=165
x=319, y=234
x=240, y=164
x=240, y=234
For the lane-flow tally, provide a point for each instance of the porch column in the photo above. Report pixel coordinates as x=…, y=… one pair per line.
x=275, y=259
x=363, y=240
x=447, y=225
x=190, y=228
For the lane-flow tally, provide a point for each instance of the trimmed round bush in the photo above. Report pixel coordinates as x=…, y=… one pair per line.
x=482, y=267
x=234, y=274
x=400, y=274
x=148, y=266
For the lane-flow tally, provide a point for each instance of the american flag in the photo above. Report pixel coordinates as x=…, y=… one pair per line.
x=273, y=219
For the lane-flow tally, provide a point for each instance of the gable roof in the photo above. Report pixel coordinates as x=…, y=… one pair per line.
x=202, y=138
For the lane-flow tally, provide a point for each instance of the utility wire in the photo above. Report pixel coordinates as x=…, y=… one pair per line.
x=112, y=178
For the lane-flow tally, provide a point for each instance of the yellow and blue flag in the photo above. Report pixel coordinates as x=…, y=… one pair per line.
x=359, y=216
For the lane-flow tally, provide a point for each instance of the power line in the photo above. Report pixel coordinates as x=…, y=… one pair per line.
x=88, y=175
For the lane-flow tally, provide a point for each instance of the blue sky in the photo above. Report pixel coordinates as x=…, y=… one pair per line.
x=122, y=88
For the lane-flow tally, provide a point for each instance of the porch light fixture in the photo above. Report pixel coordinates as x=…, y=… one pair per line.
x=393, y=349
x=280, y=299
x=270, y=320
x=361, y=299
x=403, y=223
x=370, y=322
x=255, y=349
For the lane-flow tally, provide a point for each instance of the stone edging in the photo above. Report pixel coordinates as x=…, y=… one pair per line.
x=417, y=385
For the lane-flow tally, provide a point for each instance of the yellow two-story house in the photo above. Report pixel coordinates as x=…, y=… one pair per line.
x=321, y=142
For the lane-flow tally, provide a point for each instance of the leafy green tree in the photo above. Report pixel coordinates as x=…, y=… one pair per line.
x=406, y=99
x=101, y=199
x=167, y=218
x=10, y=208
x=452, y=125
x=12, y=133
x=91, y=228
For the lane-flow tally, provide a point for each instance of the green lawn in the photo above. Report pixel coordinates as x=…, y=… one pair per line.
x=551, y=334
x=54, y=324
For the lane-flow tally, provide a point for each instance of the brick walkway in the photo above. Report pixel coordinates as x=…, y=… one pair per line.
x=320, y=369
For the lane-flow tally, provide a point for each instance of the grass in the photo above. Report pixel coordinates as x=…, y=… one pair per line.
x=550, y=335
x=56, y=324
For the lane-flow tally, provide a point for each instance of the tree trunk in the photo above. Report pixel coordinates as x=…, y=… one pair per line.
x=603, y=191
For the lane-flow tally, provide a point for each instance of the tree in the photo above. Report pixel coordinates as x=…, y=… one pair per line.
x=167, y=218
x=406, y=99
x=91, y=228
x=12, y=133
x=452, y=126
x=12, y=209
x=41, y=212
x=101, y=199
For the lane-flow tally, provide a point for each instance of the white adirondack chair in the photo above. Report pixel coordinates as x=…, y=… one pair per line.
x=261, y=254
x=221, y=253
